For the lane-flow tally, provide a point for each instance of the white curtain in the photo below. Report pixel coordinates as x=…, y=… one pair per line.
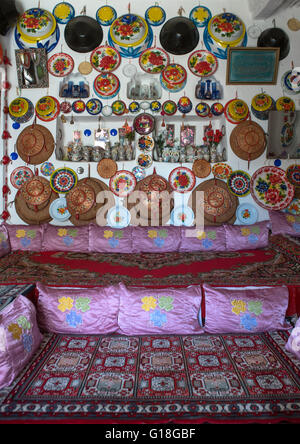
x=262, y=9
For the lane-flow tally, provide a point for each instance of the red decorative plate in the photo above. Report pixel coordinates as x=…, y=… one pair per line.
x=154, y=60
x=182, y=179
x=202, y=63
x=144, y=124
x=20, y=175
x=60, y=65
x=105, y=59
x=122, y=183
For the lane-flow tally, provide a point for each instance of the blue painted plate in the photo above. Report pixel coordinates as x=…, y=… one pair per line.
x=182, y=216
x=247, y=214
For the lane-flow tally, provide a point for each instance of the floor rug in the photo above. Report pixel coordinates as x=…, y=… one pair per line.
x=175, y=379
x=277, y=264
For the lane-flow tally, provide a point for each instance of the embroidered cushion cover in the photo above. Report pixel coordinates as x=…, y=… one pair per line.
x=19, y=338
x=77, y=310
x=156, y=239
x=110, y=240
x=4, y=241
x=25, y=237
x=159, y=311
x=247, y=237
x=66, y=238
x=206, y=239
x=293, y=343
x=284, y=223
x=245, y=309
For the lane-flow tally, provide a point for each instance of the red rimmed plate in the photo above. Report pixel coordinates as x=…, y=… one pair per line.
x=105, y=59
x=20, y=175
x=182, y=179
x=236, y=111
x=144, y=124
x=53, y=115
x=271, y=189
x=60, y=64
x=154, y=60
x=202, y=63
x=122, y=183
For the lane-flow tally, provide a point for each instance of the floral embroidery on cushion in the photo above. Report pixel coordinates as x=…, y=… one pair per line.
x=67, y=235
x=74, y=309
x=166, y=303
x=247, y=320
x=148, y=303
x=158, y=237
x=251, y=233
x=207, y=238
x=26, y=236
x=157, y=316
x=113, y=237
x=294, y=221
x=21, y=330
x=3, y=241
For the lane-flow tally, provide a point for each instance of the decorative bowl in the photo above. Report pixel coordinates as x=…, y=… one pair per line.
x=36, y=24
x=226, y=29
x=130, y=35
x=106, y=85
x=21, y=110
x=173, y=77
x=261, y=105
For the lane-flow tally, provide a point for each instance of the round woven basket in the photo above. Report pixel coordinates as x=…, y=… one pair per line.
x=30, y=216
x=201, y=168
x=107, y=168
x=36, y=193
x=219, y=204
x=248, y=140
x=35, y=144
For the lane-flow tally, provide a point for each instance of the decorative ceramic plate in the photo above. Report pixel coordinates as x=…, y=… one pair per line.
x=155, y=106
x=184, y=105
x=169, y=108
x=226, y=29
x=134, y=107
x=247, y=214
x=182, y=179
x=146, y=144
x=144, y=124
x=21, y=110
x=94, y=107
x=236, y=111
x=287, y=85
x=58, y=210
x=119, y=107
x=78, y=106
x=293, y=175
x=202, y=63
x=155, y=15
x=60, y=65
x=145, y=160
x=173, y=77
x=202, y=109
x=200, y=16
x=20, y=175
x=239, y=183
x=106, y=85
x=106, y=15
x=154, y=60
x=63, y=180
x=221, y=170
x=63, y=12
x=294, y=207
x=122, y=183
x=51, y=116
x=118, y=217
x=105, y=59
x=45, y=106
x=145, y=105
x=47, y=168
x=215, y=48
x=182, y=216
x=48, y=44
x=36, y=24
x=66, y=107
x=285, y=104
x=217, y=109
x=139, y=172
x=271, y=189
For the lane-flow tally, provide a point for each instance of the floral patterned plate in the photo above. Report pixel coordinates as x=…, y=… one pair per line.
x=154, y=60
x=105, y=59
x=182, y=216
x=58, y=210
x=144, y=124
x=293, y=175
x=60, y=65
x=202, y=63
x=146, y=143
x=182, y=179
x=200, y=16
x=155, y=15
x=169, y=108
x=106, y=85
x=78, y=106
x=122, y=183
x=20, y=175
x=63, y=12
x=94, y=106
x=221, y=170
x=271, y=189
x=247, y=214
x=63, y=180
x=239, y=183
x=106, y=15
x=134, y=107
x=119, y=107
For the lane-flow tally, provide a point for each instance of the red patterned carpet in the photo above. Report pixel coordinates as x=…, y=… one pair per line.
x=279, y=263
x=206, y=378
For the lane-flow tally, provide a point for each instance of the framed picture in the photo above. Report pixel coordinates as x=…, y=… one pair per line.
x=32, y=68
x=252, y=66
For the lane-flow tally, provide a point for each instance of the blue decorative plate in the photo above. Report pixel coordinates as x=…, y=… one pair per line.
x=58, y=210
x=247, y=214
x=106, y=15
x=200, y=16
x=155, y=15
x=182, y=216
x=213, y=46
x=63, y=12
x=134, y=107
x=155, y=106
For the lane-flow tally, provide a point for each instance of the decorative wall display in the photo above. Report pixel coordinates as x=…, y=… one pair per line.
x=252, y=66
x=60, y=64
x=32, y=68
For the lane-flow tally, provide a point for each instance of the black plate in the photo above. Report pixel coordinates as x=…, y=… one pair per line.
x=179, y=35
x=83, y=34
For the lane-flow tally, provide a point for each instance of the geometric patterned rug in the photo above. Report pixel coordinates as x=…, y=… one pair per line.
x=232, y=378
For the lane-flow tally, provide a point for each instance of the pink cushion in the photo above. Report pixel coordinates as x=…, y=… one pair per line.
x=4, y=241
x=206, y=239
x=67, y=238
x=247, y=237
x=245, y=309
x=19, y=338
x=25, y=237
x=155, y=239
x=110, y=240
x=77, y=310
x=284, y=223
x=293, y=343
x=160, y=311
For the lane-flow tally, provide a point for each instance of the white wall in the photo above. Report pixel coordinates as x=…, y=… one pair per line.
x=239, y=7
